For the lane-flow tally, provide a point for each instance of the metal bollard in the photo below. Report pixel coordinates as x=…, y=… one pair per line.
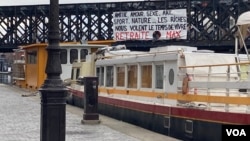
x=90, y=100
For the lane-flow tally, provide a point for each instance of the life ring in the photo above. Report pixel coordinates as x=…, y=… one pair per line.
x=185, y=88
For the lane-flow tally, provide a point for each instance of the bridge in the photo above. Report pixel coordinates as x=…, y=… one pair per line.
x=211, y=22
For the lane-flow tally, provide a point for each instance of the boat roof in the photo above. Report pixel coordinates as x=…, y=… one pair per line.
x=172, y=48
x=82, y=46
x=65, y=45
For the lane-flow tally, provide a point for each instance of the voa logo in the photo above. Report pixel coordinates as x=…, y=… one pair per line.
x=236, y=132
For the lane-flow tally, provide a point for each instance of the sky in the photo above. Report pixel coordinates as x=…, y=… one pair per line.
x=39, y=2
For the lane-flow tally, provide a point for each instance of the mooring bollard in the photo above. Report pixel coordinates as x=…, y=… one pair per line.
x=90, y=114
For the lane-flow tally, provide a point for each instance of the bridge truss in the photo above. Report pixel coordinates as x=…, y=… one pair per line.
x=211, y=22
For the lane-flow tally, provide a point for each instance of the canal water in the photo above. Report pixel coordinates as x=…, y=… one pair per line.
x=5, y=71
x=5, y=78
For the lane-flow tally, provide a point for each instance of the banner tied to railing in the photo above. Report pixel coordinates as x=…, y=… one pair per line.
x=150, y=25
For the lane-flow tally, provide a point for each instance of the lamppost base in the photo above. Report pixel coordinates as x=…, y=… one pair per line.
x=53, y=114
x=90, y=121
x=90, y=118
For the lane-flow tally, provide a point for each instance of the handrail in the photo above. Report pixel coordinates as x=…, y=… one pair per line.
x=210, y=85
x=241, y=63
x=141, y=54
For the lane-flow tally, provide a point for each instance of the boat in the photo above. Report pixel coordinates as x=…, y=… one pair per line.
x=178, y=91
x=30, y=61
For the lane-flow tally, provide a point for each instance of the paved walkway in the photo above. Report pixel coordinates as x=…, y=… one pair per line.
x=20, y=121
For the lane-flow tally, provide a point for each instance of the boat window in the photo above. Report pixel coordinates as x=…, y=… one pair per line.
x=31, y=57
x=18, y=70
x=159, y=76
x=171, y=76
x=132, y=76
x=120, y=79
x=77, y=73
x=72, y=74
x=146, y=76
x=84, y=53
x=110, y=76
x=243, y=72
x=100, y=75
x=63, y=56
x=73, y=55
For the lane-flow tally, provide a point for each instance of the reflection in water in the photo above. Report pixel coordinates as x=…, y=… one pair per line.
x=5, y=78
x=5, y=75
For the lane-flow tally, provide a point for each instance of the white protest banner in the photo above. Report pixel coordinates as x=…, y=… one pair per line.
x=148, y=25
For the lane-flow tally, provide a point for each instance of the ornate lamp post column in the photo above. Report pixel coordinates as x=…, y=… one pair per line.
x=53, y=92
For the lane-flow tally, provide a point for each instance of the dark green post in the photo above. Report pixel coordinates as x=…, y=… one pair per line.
x=53, y=92
x=90, y=100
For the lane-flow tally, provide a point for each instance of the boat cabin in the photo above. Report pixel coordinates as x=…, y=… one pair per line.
x=159, y=69
x=30, y=73
x=163, y=73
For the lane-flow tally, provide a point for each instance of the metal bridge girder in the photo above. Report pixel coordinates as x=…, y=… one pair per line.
x=211, y=22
